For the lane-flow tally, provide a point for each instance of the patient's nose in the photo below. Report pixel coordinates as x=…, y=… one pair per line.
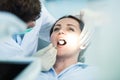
x=61, y=32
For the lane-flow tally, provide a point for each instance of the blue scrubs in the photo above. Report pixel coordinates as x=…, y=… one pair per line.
x=79, y=71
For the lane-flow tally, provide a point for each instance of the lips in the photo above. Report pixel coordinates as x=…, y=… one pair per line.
x=61, y=42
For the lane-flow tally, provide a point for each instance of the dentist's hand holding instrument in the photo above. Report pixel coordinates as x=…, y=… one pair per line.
x=91, y=20
x=47, y=56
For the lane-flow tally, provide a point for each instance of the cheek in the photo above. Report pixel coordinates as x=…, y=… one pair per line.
x=74, y=40
x=52, y=39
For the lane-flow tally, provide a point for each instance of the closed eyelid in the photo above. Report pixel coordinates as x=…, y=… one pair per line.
x=72, y=26
x=57, y=26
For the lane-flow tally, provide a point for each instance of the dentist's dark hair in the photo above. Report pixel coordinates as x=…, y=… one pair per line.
x=27, y=10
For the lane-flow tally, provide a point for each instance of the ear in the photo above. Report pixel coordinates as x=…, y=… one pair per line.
x=31, y=24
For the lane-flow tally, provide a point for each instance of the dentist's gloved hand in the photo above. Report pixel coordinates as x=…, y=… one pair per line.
x=47, y=56
x=91, y=19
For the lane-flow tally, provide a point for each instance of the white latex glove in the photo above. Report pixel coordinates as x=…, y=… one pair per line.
x=47, y=56
x=91, y=20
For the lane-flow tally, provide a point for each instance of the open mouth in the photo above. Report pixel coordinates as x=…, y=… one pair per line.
x=61, y=42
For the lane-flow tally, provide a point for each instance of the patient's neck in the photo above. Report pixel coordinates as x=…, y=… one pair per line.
x=63, y=63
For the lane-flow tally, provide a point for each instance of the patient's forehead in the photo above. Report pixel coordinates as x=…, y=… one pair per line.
x=67, y=21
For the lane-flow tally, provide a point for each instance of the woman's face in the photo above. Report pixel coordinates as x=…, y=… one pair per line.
x=66, y=37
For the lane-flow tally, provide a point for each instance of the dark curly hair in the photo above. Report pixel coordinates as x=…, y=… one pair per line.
x=27, y=10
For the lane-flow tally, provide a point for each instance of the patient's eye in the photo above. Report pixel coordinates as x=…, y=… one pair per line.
x=56, y=29
x=71, y=29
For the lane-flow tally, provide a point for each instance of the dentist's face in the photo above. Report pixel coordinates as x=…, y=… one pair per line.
x=31, y=24
x=66, y=37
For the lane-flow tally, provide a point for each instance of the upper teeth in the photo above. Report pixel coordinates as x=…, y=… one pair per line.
x=61, y=42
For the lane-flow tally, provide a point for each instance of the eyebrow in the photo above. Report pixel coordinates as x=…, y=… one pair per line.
x=57, y=24
x=71, y=25
x=67, y=24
